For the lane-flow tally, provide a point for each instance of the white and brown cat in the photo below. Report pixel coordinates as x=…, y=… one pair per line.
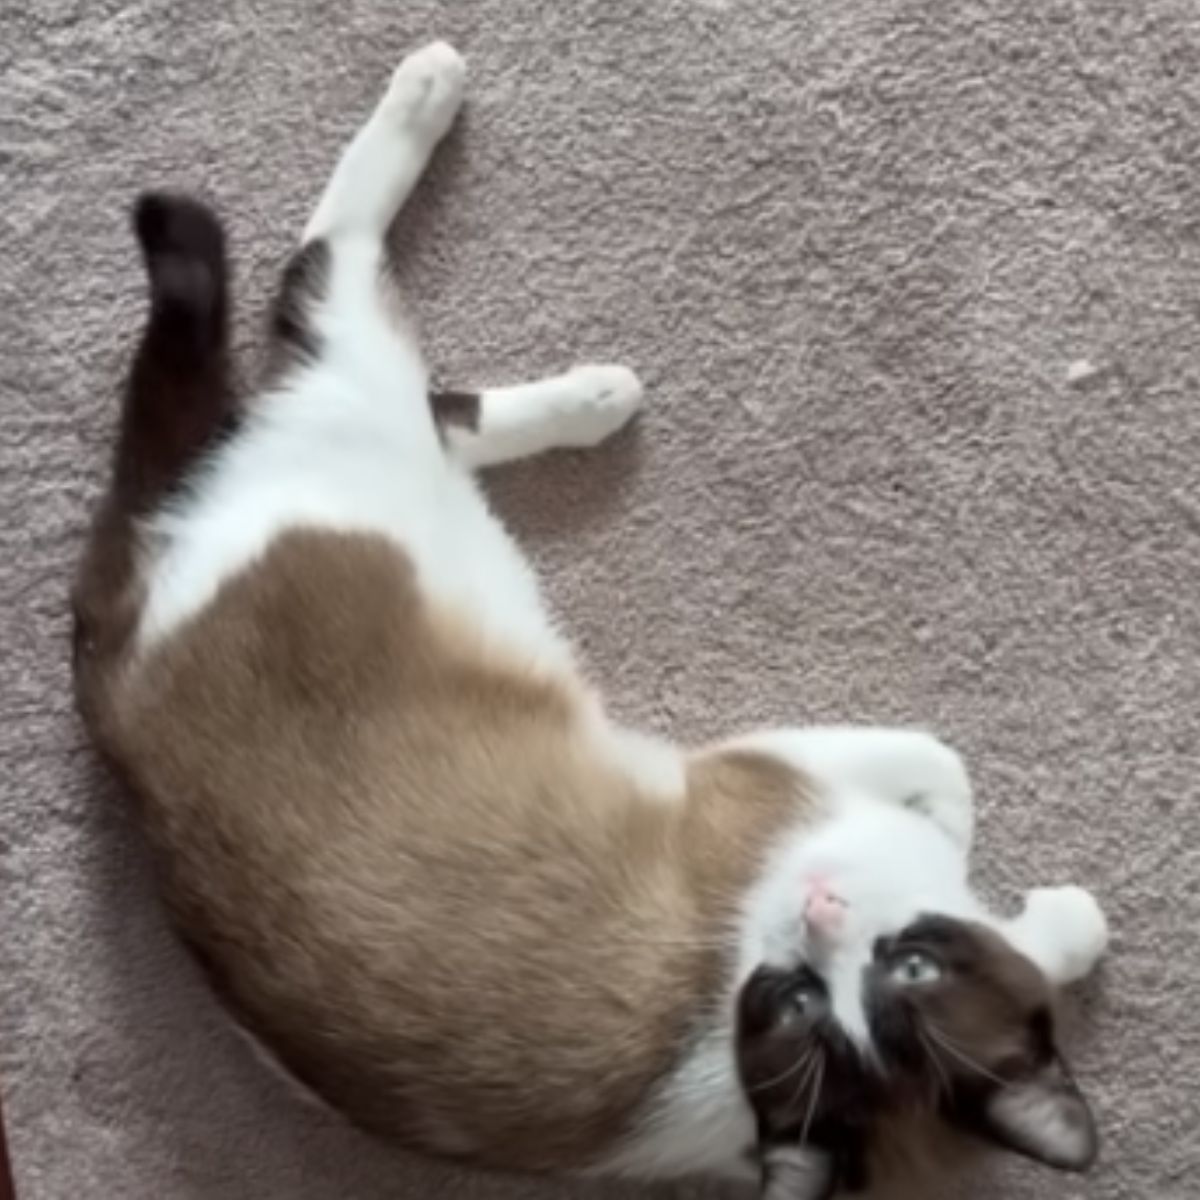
x=417, y=858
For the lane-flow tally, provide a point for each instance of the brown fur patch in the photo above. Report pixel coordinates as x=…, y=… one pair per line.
x=412, y=875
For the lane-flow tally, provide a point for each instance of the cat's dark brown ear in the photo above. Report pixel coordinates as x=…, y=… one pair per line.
x=1044, y=1117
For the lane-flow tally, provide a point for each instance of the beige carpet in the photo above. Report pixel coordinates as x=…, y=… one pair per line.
x=915, y=285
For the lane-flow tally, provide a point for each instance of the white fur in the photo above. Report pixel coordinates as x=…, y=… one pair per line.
x=901, y=766
x=1063, y=930
x=349, y=444
x=580, y=408
x=893, y=846
x=380, y=167
x=699, y=1123
x=890, y=864
x=795, y=1174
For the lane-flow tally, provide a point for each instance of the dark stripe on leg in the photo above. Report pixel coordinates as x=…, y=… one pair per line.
x=303, y=286
x=455, y=408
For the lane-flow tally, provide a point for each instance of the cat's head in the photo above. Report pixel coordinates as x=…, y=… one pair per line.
x=878, y=985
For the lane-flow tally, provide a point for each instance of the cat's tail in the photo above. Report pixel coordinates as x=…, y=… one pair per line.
x=179, y=398
x=179, y=394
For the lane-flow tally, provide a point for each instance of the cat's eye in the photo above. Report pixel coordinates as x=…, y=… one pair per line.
x=805, y=1000
x=915, y=967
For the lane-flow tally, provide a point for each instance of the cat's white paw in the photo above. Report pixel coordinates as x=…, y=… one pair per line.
x=595, y=402
x=935, y=783
x=1072, y=919
x=426, y=91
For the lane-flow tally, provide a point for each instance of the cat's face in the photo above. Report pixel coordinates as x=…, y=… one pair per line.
x=879, y=987
x=840, y=890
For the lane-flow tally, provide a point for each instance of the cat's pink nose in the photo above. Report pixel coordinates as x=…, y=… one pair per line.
x=824, y=910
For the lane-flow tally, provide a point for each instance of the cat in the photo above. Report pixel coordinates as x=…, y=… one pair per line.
x=420, y=863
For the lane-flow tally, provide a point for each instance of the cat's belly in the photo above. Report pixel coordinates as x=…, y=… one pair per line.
x=698, y=1124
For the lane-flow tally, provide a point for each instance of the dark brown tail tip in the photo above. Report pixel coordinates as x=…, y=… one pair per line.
x=169, y=223
x=184, y=249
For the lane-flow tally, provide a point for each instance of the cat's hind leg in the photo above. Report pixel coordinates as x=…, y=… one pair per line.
x=380, y=167
x=577, y=409
x=341, y=434
x=335, y=311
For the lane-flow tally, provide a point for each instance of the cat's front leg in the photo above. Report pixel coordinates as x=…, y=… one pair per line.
x=907, y=767
x=1063, y=930
x=797, y=1172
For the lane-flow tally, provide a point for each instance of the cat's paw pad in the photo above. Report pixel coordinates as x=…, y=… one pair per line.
x=596, y=401
x=426, y=91
x=1078, y=925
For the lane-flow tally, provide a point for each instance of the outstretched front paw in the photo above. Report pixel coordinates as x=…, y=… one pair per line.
x=1072, y=918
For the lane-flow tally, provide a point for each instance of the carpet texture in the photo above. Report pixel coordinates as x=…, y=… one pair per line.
x=914, y=288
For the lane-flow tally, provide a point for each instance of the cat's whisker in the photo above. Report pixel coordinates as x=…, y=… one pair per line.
x=798, y=1065
x=814, y=1063
x=932, y=1051
x=816, y=1095
x=961, y=1055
